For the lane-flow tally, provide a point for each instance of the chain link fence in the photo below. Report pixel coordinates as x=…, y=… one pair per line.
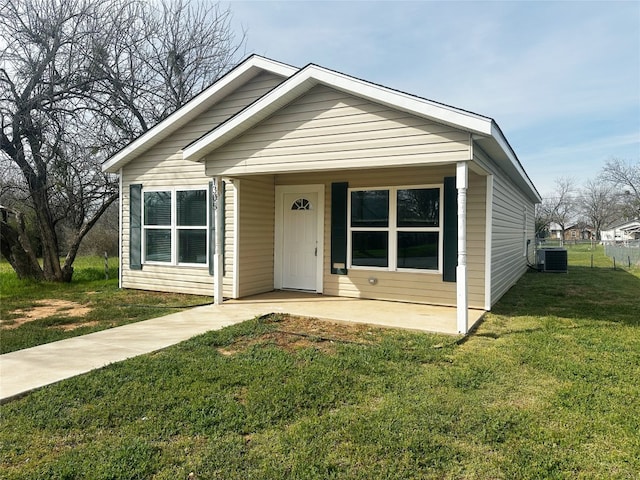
x=625, y=255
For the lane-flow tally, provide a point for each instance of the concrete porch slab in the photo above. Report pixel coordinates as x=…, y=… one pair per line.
x=412, y=316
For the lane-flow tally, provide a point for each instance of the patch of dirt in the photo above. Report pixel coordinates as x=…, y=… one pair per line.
x=47, y=308
x=73, y=326
x=296, y=333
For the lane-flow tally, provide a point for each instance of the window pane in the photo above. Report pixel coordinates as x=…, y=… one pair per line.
x=192, y=208
x=157, y=208
x=418, y=250
x=301, y=204
x=370, y=249
x=418, y=207
x=158, y=245
x=370, y=208
x=192, y=246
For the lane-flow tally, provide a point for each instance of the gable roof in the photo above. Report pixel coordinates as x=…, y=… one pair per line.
x=484, y=130
x=243, y=72
x=312, y=75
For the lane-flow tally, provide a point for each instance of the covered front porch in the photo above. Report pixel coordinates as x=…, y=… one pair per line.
x=267, y=237
x=412, y=316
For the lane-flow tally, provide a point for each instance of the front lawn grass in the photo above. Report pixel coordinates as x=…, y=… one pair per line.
x=106, y=305
x=546, y=387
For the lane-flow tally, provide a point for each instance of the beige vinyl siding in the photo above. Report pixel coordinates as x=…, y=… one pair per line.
x=256, y=235
x=508, y=244
x=229, y=238
x=328, y=129
x=162, y=166
x=403, y=286
x=476, y=239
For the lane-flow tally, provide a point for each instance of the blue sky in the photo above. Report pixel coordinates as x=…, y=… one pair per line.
x=562, y=79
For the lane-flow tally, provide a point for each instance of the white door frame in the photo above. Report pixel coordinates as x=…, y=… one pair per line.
x=279, y=231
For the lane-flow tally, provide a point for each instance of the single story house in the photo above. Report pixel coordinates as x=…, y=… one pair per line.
x=621, y=232
x=577, y=232
x=279, y=178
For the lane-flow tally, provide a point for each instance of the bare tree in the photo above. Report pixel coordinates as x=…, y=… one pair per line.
x=624, y=176
x=190, y=47
x=560, y=206
x=79, y=79
x=543, y=217
x=598, y=204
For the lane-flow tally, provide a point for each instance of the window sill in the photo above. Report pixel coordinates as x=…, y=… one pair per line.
x=398, y=270
x=178, y=265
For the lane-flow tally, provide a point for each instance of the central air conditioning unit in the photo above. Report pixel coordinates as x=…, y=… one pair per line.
x=552, y=260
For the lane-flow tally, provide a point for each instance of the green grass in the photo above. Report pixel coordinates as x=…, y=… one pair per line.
x=547, y=387
x=110, y=306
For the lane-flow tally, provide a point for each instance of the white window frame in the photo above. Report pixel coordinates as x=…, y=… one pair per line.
x=392, y=229
x=174, y=228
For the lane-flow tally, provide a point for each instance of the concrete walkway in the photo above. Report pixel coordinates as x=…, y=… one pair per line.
x=25, y=370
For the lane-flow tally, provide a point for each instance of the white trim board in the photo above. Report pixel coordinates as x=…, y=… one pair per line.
x=487, y=241
x=120, y=210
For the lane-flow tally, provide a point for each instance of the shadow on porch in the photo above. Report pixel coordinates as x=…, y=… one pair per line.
x=412, y=316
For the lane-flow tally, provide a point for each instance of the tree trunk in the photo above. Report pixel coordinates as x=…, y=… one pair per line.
x=67, y=268
x=48, y=237
x=15, y=247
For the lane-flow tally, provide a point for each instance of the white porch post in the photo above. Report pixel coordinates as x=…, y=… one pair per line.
x=462, y=300
x=217, y=256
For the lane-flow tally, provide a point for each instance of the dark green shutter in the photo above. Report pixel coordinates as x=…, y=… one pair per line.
x=212, y=228
x=339, y=228
x=135, y=230
x=450, y=240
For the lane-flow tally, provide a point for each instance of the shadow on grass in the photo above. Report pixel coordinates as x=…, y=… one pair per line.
x=599, y=294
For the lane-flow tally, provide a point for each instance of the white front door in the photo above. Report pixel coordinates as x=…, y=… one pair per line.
x=300, y=240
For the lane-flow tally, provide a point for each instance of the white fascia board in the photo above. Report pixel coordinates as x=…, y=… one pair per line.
x=246, y=70
x=399, y=100
x=313, y=75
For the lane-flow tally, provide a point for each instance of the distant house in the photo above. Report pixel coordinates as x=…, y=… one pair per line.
x=309, y=179
x=578, y=232
x=621, y=232
x=555, y=231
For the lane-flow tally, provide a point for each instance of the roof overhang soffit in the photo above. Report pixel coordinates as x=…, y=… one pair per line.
x=499, y=149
